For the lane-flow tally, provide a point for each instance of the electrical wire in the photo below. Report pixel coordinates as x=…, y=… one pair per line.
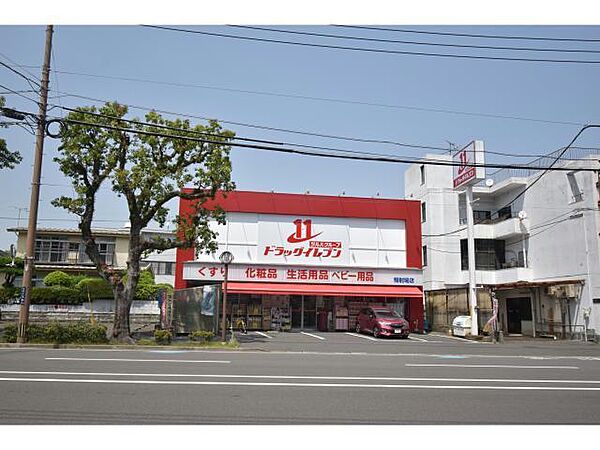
x=316, y=98
x=307, y=153
x=308, y=133
x=471, y=35
x=29, y=80
x=397, y=41
x=18, y=93
x=546, y=170
x=373, y=50
x=136, y=122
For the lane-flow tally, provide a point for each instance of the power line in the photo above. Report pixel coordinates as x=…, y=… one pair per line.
x=307, y=153
x=316, y=98
x=372, y=50
x=397, y=41
x=472, y=35
x=25, y=91
x=309, y=133
x=281, y=143
x=546, y=170
x=26, y=78
x=19, y=93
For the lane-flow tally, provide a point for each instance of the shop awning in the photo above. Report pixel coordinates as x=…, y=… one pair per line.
x=339, y=290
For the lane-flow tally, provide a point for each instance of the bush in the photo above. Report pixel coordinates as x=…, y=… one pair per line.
x=97, y=288
x=57, y=295
x=8, y=293
x=202, y=335
x=57, y=333
x=58, y=278
x=162, y=337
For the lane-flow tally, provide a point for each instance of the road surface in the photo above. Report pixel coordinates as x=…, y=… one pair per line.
x=314, y=378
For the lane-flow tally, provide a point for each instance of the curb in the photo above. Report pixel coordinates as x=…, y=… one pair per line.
x=117, y=347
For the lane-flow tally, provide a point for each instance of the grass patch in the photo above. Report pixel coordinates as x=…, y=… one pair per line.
x=198, y=344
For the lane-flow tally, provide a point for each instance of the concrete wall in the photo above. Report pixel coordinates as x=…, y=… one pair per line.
x=144, y=314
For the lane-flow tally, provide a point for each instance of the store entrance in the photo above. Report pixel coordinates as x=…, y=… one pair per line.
x=304, y=312
x=518, y=310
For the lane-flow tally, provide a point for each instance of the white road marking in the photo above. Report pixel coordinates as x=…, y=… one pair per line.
x=283, y=352
x=142, y=360
x=263, y=334
x=362, y=336
x=313, y=335
x=417, y=339
x=301, y=377
x=459, y=339
x=492, y=366
x=305, y=385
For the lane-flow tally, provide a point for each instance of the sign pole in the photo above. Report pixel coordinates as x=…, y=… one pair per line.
x=471, y=259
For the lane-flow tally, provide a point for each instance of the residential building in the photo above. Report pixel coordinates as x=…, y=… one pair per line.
x=62, y=249
x=536, y=245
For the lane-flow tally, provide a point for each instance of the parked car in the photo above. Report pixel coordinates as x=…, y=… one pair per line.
x=381, y=322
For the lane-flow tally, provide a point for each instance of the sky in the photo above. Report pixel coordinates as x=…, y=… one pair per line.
x=219, y=66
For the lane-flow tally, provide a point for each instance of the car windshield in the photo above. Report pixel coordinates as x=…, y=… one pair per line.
x=387, y=314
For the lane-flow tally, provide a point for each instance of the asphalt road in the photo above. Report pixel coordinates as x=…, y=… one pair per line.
x=303, y=379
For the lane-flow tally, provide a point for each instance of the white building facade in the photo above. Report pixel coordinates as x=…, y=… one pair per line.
x=540, y=253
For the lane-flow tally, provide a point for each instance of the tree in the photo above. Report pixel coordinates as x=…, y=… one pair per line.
x=9, y=271
x=8, y=159
x=147, y=170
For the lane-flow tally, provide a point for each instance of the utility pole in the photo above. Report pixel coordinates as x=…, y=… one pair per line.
x=35, y=191
x=471, y=259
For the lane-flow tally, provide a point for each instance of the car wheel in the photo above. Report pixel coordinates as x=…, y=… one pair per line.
x=375, y=332
x=357, y=328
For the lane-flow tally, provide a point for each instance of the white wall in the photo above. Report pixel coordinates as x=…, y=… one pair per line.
x=567, y=249
x=363, y=242
x=442, y=216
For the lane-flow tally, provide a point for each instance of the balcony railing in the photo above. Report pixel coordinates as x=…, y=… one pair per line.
x=485, y=221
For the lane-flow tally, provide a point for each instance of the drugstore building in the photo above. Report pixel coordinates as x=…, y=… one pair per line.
x=306, y=261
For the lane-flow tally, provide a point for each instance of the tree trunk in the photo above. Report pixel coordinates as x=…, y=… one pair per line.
x=121, y=330
x=125, y=292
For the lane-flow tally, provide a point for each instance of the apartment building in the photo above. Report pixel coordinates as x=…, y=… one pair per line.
x=62, y=249
x=539, y=254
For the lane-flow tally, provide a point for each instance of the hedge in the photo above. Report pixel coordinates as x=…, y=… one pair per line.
x=72, y=290
x=44, y=295
x=57, y=333
x=97, y=288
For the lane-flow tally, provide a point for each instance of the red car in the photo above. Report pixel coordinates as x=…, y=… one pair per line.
x=381, y=322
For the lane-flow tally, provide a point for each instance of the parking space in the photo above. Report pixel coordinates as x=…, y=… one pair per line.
x=341, y=341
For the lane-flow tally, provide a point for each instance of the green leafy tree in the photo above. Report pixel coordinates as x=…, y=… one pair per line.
x=9, y=271
x=147, y=171
x=8, y=159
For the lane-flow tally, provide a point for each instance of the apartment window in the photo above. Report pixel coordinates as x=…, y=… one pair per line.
x=489, y=254
x=106, y=249
x=51, y=249
x=163, y=268
x=577, y=194
x=422, y=168
x=424, y=255
x=423, y=212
